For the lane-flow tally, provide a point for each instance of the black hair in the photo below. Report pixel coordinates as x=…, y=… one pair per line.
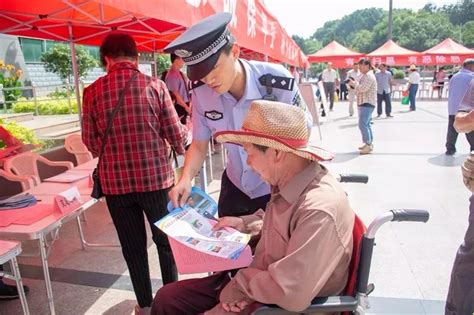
x=365, y=61
x=468, y=62
x=173, y=57
x=118, y=45
x=228, y=46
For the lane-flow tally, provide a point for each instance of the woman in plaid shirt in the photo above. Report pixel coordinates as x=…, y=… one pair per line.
x=366, y=91
x=135, y=170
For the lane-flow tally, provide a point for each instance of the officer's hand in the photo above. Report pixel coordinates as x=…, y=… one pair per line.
x=180, y=193
x=234, y=222
x=468, y=172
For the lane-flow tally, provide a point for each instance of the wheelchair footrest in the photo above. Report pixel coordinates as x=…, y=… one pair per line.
x=320, y=304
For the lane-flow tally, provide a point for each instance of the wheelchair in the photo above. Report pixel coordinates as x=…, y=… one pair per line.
x=357, y=290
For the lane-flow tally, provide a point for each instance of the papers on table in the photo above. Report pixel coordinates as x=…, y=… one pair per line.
x=69, y=176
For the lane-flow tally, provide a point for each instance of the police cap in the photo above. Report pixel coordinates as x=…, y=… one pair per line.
x=201, y=44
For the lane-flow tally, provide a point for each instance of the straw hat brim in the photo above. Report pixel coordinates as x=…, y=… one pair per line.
x=312, y=153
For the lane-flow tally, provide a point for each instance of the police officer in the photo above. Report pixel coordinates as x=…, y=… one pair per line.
x=223, y=86
x=177, y=84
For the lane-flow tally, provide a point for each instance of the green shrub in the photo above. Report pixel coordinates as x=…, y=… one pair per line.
x=46, y=107
x=10, y=78
x=62, y=93
x=22, y=133
x=398, y=74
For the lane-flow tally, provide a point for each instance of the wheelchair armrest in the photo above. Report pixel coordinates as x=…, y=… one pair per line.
x=320, y=304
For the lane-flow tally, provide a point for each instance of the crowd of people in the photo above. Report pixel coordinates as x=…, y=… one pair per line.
x=273, y=185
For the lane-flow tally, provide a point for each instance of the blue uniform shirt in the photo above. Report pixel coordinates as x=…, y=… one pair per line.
x=458, y=85
x=213, y=112
x=176, y=83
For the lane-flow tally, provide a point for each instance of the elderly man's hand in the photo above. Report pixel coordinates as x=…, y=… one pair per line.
x=468, y=172
x=234, y=222
x=228, y=308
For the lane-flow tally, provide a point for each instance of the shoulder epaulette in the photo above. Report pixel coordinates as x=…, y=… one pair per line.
x=283, y=83
x=196, y=84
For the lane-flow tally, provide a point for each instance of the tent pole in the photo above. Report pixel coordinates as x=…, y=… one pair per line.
x=75, y=72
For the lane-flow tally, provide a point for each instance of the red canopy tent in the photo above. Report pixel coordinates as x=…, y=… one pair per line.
x=153, y=24
x=253, y=25
x=340, y=56
x=448, y=52
x=394, y=55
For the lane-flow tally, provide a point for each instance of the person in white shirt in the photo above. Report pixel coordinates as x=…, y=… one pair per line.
x=330, y=78
x=354, y=73
x=294, y=72
x=413, y=83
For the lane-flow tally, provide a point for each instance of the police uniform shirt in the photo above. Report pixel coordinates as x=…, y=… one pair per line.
x=214, y=112
x=175, y=82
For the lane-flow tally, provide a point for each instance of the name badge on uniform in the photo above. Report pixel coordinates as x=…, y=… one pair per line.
x=213, y=115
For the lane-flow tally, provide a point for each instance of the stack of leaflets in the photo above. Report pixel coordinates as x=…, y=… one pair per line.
x=196, y=246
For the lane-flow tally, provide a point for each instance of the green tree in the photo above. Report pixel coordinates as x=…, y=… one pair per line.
x=163, y=63
x=58, y=60
x=468, y=34
x=308, y=46
x=461, y=12
x=363, y=41
x=345, y=29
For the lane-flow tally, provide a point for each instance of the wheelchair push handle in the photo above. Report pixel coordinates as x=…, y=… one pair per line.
x=353, y=178
x=412, y=215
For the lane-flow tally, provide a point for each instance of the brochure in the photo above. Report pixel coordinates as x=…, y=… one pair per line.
x=196, y=247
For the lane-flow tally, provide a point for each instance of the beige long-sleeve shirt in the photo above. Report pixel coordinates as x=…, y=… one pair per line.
x=366, y=89
x=306, y=244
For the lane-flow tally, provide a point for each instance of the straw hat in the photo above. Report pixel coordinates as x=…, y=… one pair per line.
x=412, y=68
x=279, y=126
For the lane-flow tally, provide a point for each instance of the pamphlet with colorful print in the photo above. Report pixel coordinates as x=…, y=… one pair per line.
x=196, y=246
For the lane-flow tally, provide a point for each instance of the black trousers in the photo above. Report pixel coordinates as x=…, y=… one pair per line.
x=127, y=214
x=384, y=97
x=234, y=202
x=452, y=136
x=329, y=91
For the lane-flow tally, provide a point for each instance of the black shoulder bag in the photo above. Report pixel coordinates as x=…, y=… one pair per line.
x=97, y=191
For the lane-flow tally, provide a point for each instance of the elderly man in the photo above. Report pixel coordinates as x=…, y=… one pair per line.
x=384, y=90
x=330, y=80
x=460, y=298
x=306, y=236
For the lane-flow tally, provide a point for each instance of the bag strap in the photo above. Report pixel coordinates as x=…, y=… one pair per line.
x=114, y=113
x=185, y=83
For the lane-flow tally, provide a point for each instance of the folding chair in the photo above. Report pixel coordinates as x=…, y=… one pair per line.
x=26, y=164
x=74, y=145
x=357, y=289
x=9, y=250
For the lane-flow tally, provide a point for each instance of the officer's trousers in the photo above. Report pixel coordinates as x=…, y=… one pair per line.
x=234, y=202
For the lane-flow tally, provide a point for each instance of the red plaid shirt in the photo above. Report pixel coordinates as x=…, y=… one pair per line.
x=135, y=157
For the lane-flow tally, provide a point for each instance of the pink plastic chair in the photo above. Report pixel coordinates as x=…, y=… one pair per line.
x=74, y=145
x=25, y=181
x=25, y=164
